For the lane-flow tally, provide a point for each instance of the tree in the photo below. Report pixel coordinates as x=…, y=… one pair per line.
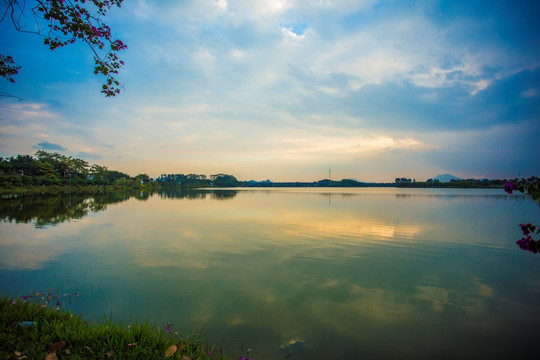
x=63, y=22
x=99, y=173
x=113, y=175
x=142, y=179
x=79, y=168
x=6, y=168
x=224, y=180
x=46, y=170
x=24, y=165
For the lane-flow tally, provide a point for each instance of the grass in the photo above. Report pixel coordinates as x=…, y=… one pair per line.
x=33, y=330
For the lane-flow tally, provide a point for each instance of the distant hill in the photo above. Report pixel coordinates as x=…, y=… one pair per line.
x=444, y=178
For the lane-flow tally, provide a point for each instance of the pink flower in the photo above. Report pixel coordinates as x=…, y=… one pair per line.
x=95, y=31
x=509, y=186
x=119, y=44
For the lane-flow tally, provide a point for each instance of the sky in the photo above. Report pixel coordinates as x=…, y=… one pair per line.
x=287, y=89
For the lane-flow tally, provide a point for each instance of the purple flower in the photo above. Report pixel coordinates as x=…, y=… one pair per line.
x=95, y=31
x=529, y=244
x=119, y=45
x=167, y=326
x=526, y=228
x=509, y=186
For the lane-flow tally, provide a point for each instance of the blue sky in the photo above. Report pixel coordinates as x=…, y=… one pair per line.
x=285, y=90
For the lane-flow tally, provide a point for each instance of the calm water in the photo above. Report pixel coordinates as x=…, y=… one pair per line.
x=317, y=273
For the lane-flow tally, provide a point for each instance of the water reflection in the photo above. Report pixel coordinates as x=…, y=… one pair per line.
x=368, y=274
x=52, y=209
x=197, y=194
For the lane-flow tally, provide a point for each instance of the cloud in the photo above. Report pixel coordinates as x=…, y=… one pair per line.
x=259, y=88
x=503, y=151
x=406, y=106
x=45, y=145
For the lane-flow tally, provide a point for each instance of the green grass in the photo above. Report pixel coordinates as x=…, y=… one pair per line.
x=79, y=339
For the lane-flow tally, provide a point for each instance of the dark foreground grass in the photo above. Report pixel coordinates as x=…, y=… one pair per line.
x=36, y=331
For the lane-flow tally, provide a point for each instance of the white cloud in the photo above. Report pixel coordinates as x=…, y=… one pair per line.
x=530, y=93
x=318, y=146
x=223, y=4
x=224, y=82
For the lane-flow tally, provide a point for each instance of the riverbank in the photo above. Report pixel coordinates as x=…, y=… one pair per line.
x=53, y=189
x=38, y=331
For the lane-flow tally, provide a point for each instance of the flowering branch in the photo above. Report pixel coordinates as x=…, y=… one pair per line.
x=531, y=187
x=527, y=242
x=68, y=21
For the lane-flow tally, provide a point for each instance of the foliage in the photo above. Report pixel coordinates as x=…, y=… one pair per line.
x=63, y=22
x=531, y=187
x=224, y=180
x=197, y=180
x=142, y=179
x=527, y=242
x=403, y=181
x=7, y=68
x=181, y=180
x=34, y=330
x=54, y=169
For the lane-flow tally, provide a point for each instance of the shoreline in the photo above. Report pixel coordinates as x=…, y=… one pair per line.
x=55, y=189
x=40, y=330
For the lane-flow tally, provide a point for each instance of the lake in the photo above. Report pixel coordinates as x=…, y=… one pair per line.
x=310, y=273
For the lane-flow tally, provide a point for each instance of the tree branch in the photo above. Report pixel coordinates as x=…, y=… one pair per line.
x=69, y=21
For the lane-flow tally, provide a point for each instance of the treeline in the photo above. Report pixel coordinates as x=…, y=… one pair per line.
x=54, y=169
x=468, y=183
x=196, y=180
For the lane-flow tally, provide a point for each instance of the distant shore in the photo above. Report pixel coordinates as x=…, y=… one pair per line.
x=53, y=189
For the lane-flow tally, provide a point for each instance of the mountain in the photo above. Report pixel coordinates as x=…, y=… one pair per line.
x=445, y=178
